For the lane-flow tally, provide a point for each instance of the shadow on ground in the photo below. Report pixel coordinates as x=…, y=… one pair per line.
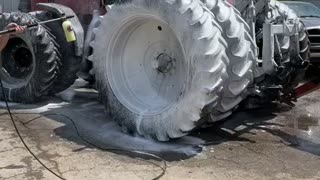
x=81, y=105
x=245, y=122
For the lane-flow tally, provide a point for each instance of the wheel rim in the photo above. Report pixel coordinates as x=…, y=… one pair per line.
x=146, y=66
x=17, y=64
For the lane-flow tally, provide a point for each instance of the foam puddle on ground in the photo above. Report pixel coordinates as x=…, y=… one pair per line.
x=88, y=114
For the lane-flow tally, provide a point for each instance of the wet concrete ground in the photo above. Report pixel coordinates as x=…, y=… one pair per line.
x=278, y=142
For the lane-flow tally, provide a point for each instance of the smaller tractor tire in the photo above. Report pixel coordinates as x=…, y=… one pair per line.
x=160, y=66
x=29, y=62
x=291, y=80
x=69, y=63
x=280, y=9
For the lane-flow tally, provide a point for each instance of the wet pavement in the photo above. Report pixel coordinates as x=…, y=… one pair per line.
x=275, y=142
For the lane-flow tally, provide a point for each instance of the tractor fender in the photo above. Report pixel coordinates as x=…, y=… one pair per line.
x=61, y=10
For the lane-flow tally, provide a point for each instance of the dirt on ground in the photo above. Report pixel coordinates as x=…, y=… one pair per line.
x=274, y=142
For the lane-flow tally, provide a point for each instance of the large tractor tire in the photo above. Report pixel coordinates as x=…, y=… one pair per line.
x=240, y=52
x=160, y=66
x=69, y=63
x=29, y=61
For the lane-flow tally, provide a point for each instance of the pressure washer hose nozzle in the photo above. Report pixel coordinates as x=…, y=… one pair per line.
x=68, y=31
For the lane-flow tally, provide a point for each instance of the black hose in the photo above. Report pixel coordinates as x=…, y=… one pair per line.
x=20, y=137
x=163, y=167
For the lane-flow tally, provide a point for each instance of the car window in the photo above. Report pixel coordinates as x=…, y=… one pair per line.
x=305, y=9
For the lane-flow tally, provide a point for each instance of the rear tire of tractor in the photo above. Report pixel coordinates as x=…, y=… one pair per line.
x=29, y=61
x=160, y=65
x=241, y=53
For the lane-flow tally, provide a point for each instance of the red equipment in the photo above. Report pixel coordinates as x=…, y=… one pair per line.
x=83, y=8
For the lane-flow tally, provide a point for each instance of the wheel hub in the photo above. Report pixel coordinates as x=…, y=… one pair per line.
x=163, y=63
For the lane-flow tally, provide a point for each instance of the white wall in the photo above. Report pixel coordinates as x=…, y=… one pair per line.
x=14, y=5
x=9, y=5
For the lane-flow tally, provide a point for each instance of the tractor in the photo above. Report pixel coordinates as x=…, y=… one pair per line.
x=162, y=68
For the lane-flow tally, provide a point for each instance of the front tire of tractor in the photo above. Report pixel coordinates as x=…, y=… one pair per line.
x=159, y=66
x=29, y=61
x=69, y=63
